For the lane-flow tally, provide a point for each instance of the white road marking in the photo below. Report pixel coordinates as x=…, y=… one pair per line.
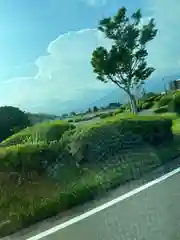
x=104, y=206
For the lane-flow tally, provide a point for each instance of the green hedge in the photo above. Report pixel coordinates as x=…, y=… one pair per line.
x=174, y=105
x=27, y=158
x=31, y=202
x=157, y=98
x=142, y=105
x=161, y=110
x=165, y=100
x=110, y=114
x=43, y=132
x=87, y=143
x=105, y=115
x=98, y=142
x=147, y=105
x=151, y=99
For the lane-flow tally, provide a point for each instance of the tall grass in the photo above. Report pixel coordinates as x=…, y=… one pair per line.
x=40, y=197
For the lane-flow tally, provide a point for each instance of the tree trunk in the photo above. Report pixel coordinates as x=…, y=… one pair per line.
x=132, y=103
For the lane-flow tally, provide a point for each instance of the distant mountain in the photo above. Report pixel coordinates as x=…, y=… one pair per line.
x=99, y=97
x=158, y=85
x=82, y=103
x=117, y=95
x=153, y=85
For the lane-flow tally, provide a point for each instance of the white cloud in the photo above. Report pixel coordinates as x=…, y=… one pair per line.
x=67, y=64
x=95, y=2
x=65, y=73
x=165, y=49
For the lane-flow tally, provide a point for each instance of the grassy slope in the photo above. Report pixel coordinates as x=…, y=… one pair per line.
x=24, y=204
x=42, y=132
x=39, y=198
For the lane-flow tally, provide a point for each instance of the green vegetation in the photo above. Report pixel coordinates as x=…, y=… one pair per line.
x=35, y=118
x=125, y=63
x=161, y=110
x=39, y=198
x=108, y=114
x=174, y=104
x=93, y=141
x=40, y=179
x=26, y=158
x=165, y=100
x=95, y=109
x=52, y=166
x=12, y=120
x=148, y=101
x=83, y=118
x=43, y=132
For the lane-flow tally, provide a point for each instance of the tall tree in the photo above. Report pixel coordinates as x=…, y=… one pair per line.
x=124, y=63
x=12, y=120
x=95, y=109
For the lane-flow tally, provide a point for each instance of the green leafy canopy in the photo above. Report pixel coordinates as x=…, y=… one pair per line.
x=125, y=63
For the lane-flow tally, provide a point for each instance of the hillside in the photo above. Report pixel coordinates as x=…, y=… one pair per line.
x=41, y=117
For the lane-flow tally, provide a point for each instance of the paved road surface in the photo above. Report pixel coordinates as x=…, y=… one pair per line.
x=141, y=213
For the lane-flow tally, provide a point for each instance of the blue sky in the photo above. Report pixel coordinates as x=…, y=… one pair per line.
x=46, y=45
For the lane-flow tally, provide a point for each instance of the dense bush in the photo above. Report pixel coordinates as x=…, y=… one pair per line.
x=105, y=115
x=42, y=198
x=98, y=142
x=85, y=118
x=79, y=119
x=120, y=110
x=27, y=158
x=147, y=105
x=151, y=99
x=165, y=100
x=157, y=98
x=114, y=113
x=12, y=120
x=174, y=105
x=161, y=110
x=70, y=120
x=143, y=105
x=149, y=96
x=43, y=132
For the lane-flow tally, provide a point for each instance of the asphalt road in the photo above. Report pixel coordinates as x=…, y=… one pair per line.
x=141, y=210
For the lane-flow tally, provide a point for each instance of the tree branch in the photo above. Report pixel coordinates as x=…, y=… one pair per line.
x=135, y=65
x=117, y=83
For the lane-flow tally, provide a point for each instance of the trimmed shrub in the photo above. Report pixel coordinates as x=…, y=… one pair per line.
x=147, y=105
x=161, y=110
x=38, y=200
x=120, y=116
x=80, y=119
x=151, y=99
x=174, y=105
x=105, y=115
x=149, y=96
x=121, y=110
x=142, y=105
x=157, y=98
x=70, y=120
x=101, y=141
x=86, y=118
x=165, y=100
x=43, y=132
x=27, y=158
x=41, y=198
